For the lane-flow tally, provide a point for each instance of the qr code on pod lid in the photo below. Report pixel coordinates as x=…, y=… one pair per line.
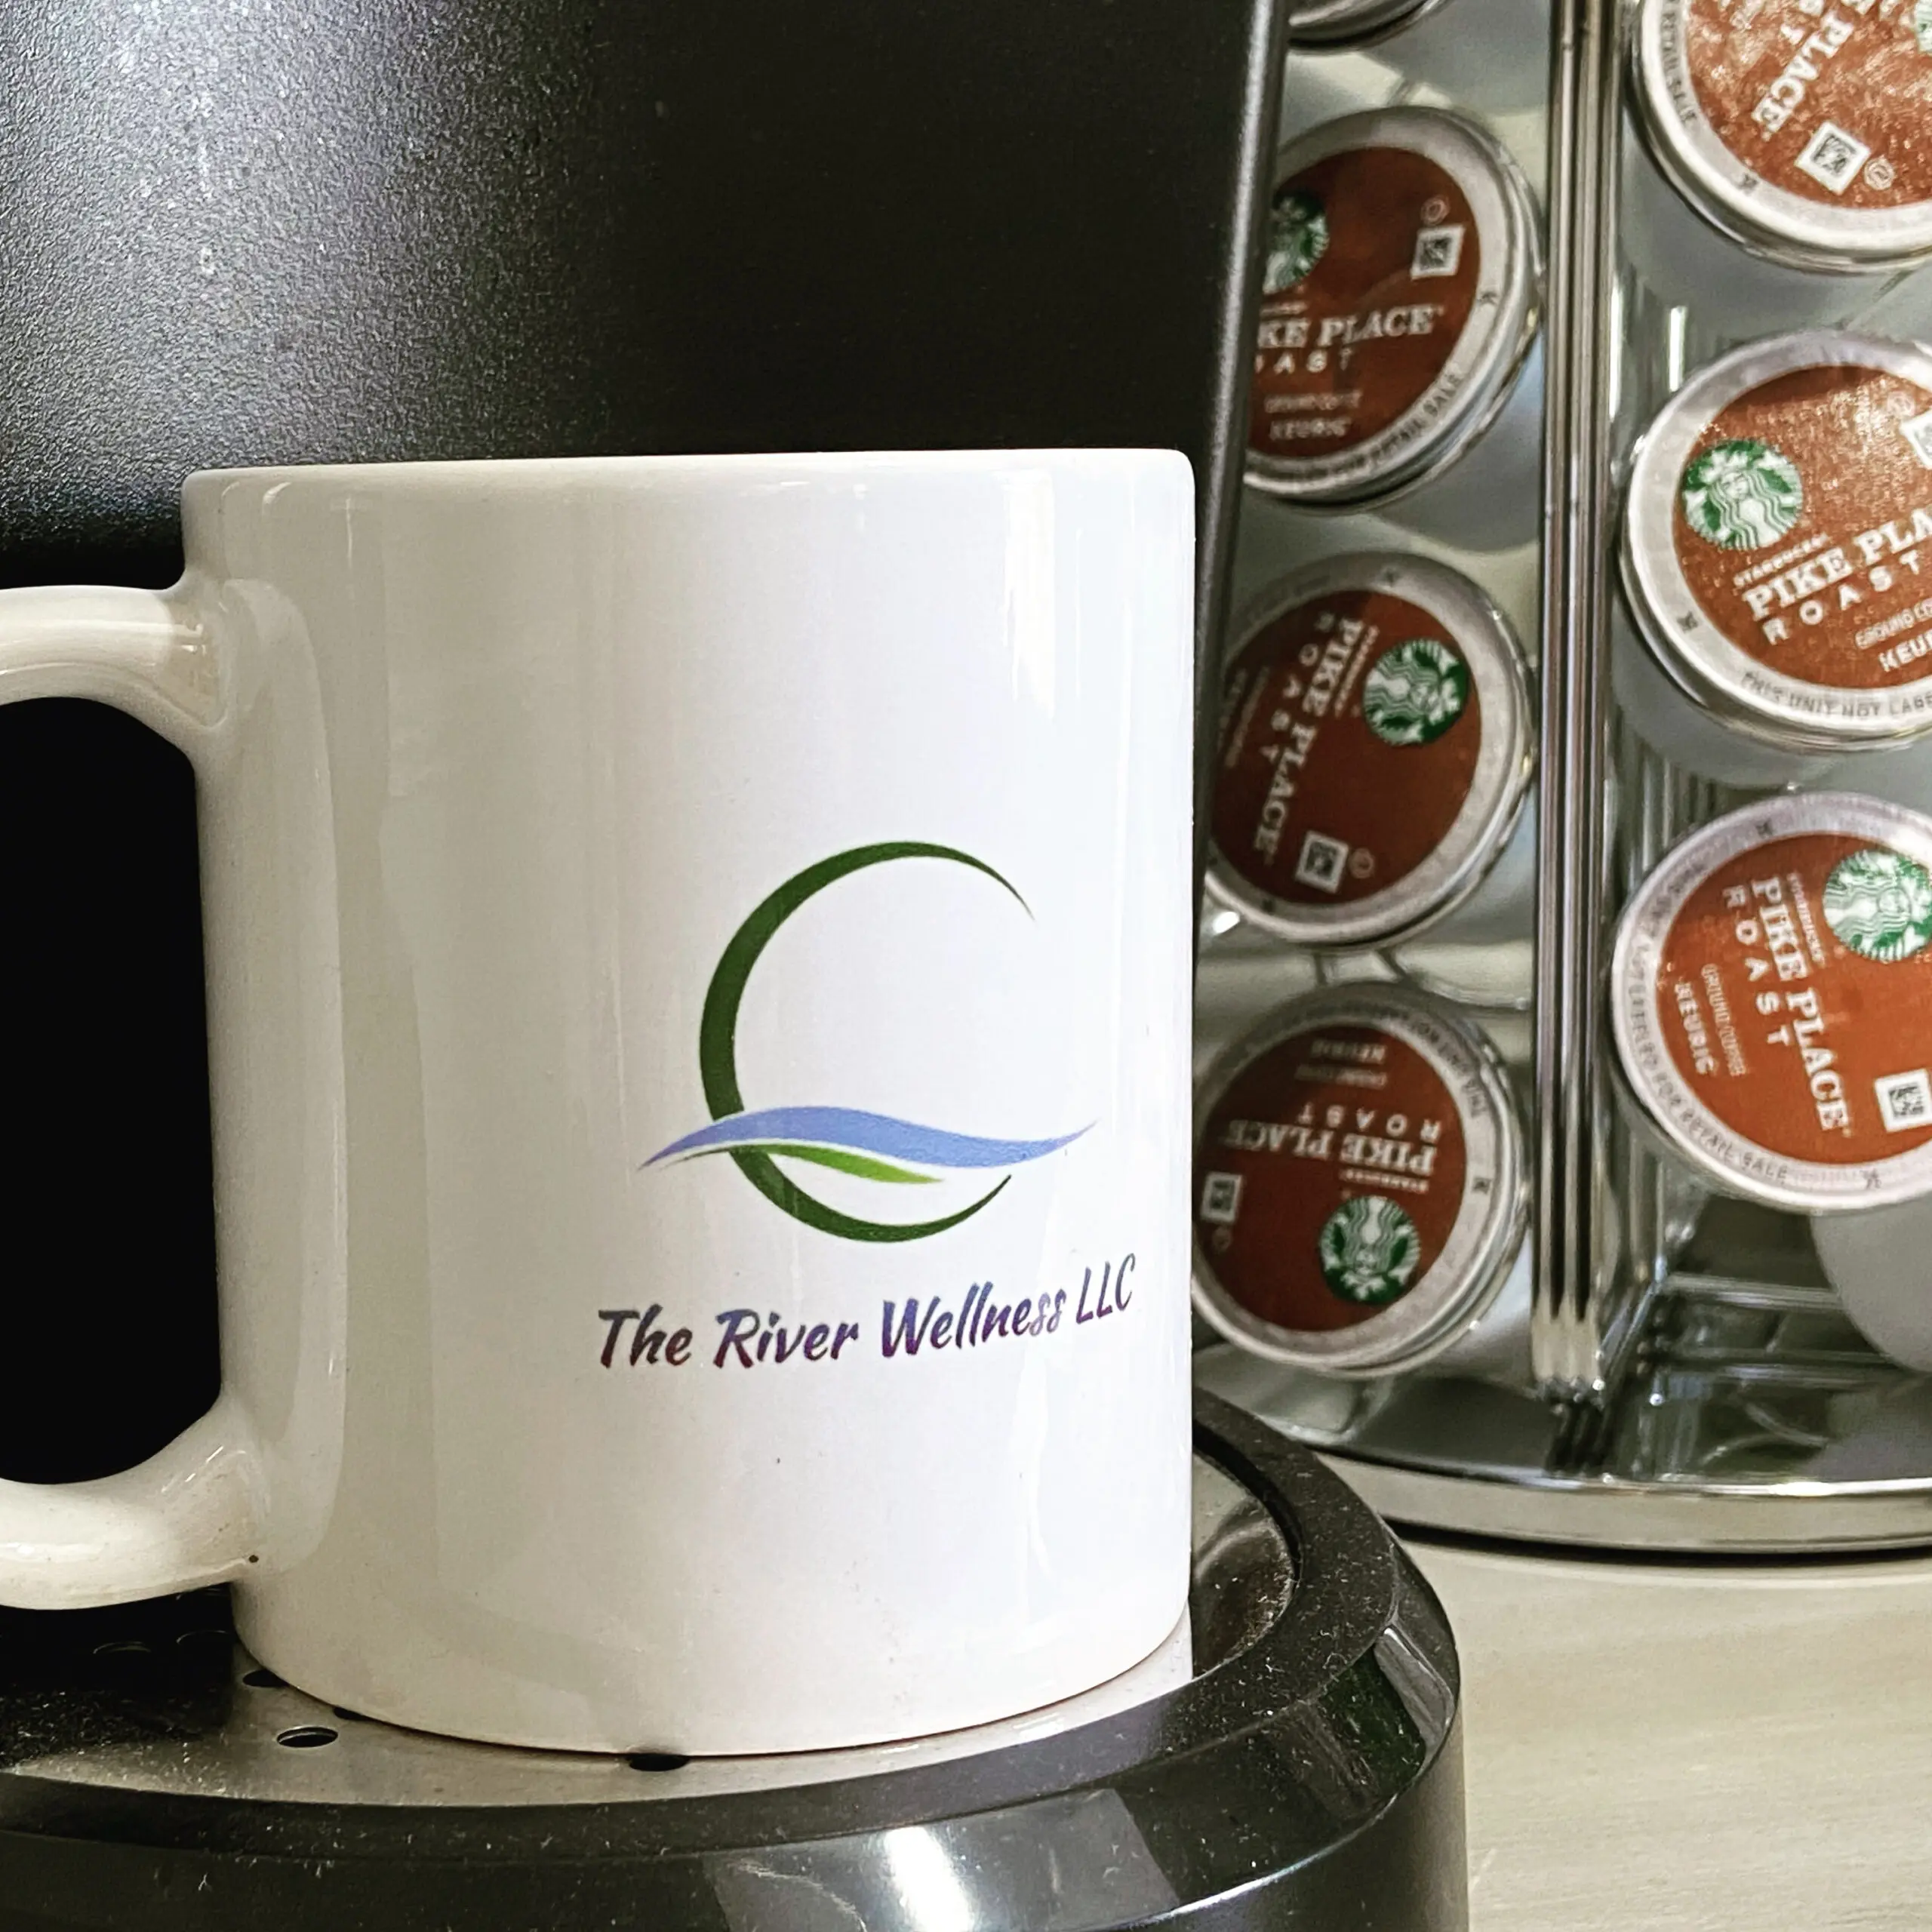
x=1919, y=433
x=1439, y=252
x=1220, y=1199
x=1833, y=157
x=1905, y=1100
x=1322, y=862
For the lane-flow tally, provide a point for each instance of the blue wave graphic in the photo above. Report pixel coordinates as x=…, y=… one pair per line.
x=850, y=1128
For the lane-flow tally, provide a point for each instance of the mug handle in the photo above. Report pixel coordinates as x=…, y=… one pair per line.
x=192, y=1514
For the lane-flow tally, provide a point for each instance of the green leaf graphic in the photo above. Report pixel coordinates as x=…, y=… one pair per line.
x=867, y=1167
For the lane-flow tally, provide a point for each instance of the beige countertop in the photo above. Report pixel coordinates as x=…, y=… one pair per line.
x=1668, y=1747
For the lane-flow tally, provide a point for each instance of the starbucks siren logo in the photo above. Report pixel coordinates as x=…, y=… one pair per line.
x=1369, y=1249
x=1879, y=905
x=1297, y=239
x=1414, y=692
x=1921, y=25
x=1743, y=494
x=871, y=1147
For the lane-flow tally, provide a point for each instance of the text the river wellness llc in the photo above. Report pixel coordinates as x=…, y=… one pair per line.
x=741, y=1338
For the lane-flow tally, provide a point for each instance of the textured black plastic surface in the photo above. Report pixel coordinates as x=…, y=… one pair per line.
x=378, y=230
x=1313, y=1780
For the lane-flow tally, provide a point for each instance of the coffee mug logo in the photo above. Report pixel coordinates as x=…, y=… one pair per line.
x=874, y=1147
x=1879, y=903
x=1743, y=494
x=1369, y=1249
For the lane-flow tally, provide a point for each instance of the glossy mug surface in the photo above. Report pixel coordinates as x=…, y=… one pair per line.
x=699, y=1003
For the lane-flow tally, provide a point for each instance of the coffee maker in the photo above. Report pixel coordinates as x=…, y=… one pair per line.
x=382, y=234
x=379, y=233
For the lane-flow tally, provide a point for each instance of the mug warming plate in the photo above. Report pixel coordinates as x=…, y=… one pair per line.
x=1306, y=1768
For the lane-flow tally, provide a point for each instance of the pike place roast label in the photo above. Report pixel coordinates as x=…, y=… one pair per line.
x=1794, y=990
x=1329, y=1177
x=1372, y=268
x=1803, y=527
x=1351, y=729
x=1831, y=102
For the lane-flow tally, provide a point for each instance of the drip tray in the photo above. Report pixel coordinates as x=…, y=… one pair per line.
x=1290, y=1752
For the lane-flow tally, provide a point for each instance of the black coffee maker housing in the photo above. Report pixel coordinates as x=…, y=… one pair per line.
x=380, y=230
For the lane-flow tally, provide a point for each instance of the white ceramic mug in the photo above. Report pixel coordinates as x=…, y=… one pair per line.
x=698, y=993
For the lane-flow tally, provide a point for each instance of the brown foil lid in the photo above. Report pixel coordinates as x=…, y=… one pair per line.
x=1800, y=981
x=1772, y=1001
x=1329, y=1176
x=1778, y=539
x=1351, y=731
x=1802, y=128
x=1373, y=262
x=1374, y=750
x=1830, y=103
x=1804, y=526
x=1359, y=1182
x=1398, y=303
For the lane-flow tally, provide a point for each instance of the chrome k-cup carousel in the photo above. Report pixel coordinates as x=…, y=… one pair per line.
x=1701, y=1013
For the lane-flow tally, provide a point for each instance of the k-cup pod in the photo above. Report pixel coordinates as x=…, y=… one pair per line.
x=1497, y=1349
x=1792, y=134
x=1876, y=1262
x=1771, y=1003
x=1318, y=88
x=1325, y=26
x=1901, y=777
x=1492, y=54
x=1374, y=751
x=1502, y=909
x=1483, y=953
x=1671, y=719
x=1360, y=1183
x=1777, y=558
x=1400, y=305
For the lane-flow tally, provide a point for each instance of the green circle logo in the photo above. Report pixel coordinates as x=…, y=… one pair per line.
x=1415, y=691
x=1370, y=1250
x=1879, y=903
x=1921, y=25
x=878, y=1148
x=1743, y=494
x=1297, y=239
